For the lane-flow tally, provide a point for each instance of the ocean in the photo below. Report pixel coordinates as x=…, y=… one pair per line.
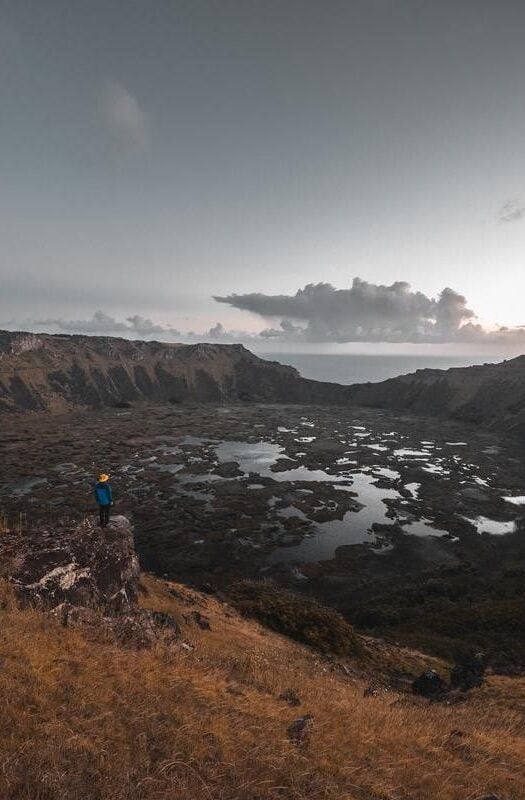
x=361, y=368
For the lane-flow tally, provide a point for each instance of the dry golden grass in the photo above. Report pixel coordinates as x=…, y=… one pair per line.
x=85, y=720
x=16, y=523
x=4, y=522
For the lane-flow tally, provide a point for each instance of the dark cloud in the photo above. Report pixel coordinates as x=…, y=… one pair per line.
x=512, y=211
x=365, y=312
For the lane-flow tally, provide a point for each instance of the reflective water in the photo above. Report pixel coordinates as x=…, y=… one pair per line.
x=386, y=472
x=402, y=452
x=259, y=457
x=354, y=528
x=26, y=486
x=435, y=469
x=423, y=527
x=251, y=456
x=496, y=527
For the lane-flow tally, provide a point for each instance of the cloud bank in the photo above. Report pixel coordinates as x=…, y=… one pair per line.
x=132, y=327
x=102, y=324
x=319, y=313
x=368, y=312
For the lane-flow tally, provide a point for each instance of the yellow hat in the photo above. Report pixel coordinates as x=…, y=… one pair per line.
x=103, y=477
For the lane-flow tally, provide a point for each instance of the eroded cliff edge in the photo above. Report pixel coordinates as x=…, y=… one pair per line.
x=85, y=576
x=41, y=372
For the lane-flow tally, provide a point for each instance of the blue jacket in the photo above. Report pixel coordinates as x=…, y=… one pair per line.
x=103, y=494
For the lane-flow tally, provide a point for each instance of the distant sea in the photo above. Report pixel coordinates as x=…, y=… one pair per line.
x=360, y=368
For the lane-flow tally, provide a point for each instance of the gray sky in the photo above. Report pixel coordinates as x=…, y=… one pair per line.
x=156, y=154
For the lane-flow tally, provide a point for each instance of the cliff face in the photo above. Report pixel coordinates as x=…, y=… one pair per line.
x=490, y=395
x=40, y=372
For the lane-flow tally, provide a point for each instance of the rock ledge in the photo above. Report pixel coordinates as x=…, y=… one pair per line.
x=85, y=576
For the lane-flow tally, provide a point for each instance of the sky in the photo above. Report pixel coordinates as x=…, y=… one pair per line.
x=288, y=173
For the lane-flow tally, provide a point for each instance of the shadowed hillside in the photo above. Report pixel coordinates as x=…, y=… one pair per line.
x=40, y=372
x=491, y=395
x=170, y=693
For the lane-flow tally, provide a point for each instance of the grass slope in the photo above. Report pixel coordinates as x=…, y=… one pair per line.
x=83, y=719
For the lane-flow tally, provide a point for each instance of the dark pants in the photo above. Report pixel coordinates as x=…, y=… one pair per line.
x=104, y=516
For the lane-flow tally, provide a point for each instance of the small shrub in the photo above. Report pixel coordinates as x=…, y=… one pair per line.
x=298, y=617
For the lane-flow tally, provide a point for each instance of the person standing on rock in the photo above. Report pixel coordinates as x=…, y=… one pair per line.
x=104, y=498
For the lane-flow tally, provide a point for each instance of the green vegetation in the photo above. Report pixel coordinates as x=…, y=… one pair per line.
x=441, y=612
x=300, y=618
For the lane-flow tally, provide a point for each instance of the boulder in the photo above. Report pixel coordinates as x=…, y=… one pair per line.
x=468, y=672
x=429, y=684
x=300, y=730
x=83, y=566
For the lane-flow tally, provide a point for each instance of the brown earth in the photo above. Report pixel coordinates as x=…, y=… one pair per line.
x=214, y=711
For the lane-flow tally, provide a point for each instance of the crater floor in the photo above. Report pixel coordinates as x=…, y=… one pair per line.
x=331, y=500
x=292, y=484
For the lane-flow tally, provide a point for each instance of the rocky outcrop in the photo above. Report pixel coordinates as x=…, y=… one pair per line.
x=85, y=576
x=429, y=684
x=40, y=372
x=87, y=566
